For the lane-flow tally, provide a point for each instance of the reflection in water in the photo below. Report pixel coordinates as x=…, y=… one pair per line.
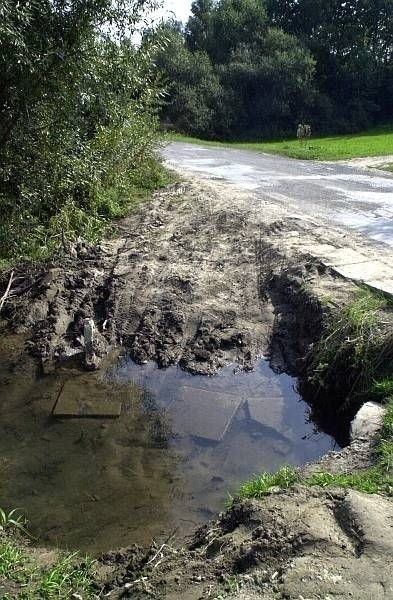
x=168, y=462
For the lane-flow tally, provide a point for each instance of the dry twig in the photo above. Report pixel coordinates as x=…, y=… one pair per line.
x=7, y=291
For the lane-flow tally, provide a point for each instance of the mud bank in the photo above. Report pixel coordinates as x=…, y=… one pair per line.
x=204, y=276
x=294, y=545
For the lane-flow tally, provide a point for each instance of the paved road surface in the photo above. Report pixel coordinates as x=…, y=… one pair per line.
x=354, y=197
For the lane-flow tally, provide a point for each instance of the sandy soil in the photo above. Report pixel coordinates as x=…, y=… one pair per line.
x=375, y=162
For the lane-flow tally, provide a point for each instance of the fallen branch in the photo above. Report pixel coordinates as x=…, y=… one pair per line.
x=7, y=291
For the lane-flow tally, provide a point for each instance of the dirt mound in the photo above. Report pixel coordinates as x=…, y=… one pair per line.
x=298, y=544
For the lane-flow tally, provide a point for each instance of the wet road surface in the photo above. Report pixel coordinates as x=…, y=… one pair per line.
x=349, y=196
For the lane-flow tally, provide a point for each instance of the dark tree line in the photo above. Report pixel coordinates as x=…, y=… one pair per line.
x=252, y=68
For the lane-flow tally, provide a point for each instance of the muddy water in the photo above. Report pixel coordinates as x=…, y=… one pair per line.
x=180, y=445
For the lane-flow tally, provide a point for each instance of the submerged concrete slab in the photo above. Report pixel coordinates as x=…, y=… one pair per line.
x=78, y=399
x=203, y=414
x=268, y=412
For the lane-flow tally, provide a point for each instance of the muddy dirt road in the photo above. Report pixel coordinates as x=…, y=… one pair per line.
x=204, y=275
x=198, y=276
x=354, y=197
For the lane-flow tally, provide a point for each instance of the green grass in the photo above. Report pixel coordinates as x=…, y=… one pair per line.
x=374, y=142
x=354, y=347
x=66, y=577
x=382, y=388
x=260, y=486
x=69, y=575
x=377, y=480
x=12, y=561
x=13, y=518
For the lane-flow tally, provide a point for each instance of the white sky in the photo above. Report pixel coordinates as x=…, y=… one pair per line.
x=181, y=9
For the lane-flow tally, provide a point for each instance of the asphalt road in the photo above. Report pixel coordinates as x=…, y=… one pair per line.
x=357, y=198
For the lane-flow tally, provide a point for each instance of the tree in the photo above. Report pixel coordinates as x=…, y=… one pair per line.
x=352, y=43
x=235, y=76
x=193, y=88
x=273, y=80
x=77, y=108
x=235, y=22
x=198, y=31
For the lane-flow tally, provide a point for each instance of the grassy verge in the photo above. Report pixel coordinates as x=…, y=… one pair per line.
x=374, y=142
x=355, y=350
x=355, y=356
x=45, y=242
x=22, y=576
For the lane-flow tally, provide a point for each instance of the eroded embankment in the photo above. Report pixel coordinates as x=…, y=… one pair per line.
x=203, y=276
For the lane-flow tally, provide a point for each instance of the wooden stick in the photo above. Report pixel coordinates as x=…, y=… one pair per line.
x=5, y=295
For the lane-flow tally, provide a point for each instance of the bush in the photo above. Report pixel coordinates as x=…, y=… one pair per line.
x=78, y=124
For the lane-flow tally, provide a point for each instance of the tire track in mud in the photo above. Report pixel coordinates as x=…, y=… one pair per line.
x=202, y=275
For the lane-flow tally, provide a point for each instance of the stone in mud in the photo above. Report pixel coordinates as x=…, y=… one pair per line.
x=268, y=412
x=77, y=399
x=368, y=421
x=203, y=414
x=91, y=360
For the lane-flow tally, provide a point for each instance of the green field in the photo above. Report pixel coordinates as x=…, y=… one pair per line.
x=374, y=142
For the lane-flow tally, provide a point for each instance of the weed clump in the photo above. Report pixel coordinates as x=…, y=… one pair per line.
x=355, y=350
x=262, y=485
x=69, y=574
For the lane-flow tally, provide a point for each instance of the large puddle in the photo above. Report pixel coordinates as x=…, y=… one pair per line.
x=180, y=445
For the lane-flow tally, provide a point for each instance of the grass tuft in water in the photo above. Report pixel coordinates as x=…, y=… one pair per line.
x=261, y=486
x=69, y=575
x=14, y=518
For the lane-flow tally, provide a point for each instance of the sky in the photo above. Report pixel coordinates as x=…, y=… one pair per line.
x=180, y=8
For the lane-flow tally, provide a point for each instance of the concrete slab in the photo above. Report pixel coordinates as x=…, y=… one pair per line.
x=320, y=250
x=79, y=399
x=369, y=270
x=203, y=414
x=368, y=422
x=344, y=256
x=384, y=285
x=268, y=412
